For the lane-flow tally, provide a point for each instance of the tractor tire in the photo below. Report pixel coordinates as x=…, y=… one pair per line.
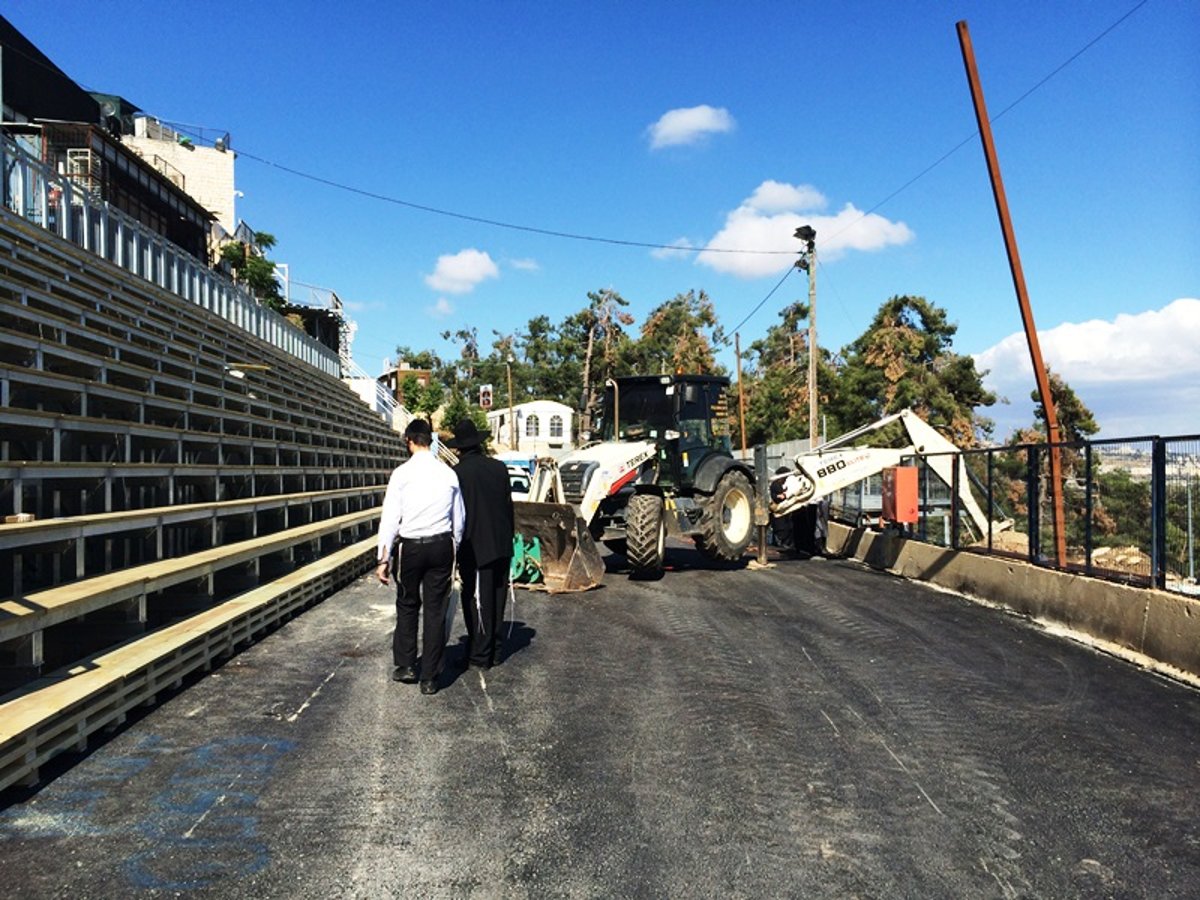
x=727, y=522
x=645, y=534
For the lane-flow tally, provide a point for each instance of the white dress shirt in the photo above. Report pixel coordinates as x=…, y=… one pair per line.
x=422, y=499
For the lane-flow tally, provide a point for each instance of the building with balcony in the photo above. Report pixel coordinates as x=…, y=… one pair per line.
x=96, y=171
x=205, y=173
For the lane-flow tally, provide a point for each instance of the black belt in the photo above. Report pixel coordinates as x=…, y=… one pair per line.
x=430, y=539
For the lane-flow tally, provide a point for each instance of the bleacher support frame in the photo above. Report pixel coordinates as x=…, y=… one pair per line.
x=190, y=486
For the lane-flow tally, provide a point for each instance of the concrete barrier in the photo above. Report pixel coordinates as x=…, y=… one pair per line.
x=1155, y=629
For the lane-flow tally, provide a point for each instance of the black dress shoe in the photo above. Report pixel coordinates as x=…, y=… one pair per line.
x=429, y=687
x=405, y=674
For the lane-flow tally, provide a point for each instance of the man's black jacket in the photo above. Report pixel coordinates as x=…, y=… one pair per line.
x=488, y=535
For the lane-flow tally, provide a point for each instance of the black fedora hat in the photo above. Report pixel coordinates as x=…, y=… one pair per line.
x=467, y=435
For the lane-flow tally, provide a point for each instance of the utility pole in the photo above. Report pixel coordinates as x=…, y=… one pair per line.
x=512, y=425
x=808, y=262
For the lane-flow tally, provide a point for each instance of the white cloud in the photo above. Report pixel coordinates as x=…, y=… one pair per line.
x=1138, y=374
x=440, y=309
x=777, y=196
x=687, y=126
x=680, y=248
x=461, y=273
x=525, y=265
x=768, y=219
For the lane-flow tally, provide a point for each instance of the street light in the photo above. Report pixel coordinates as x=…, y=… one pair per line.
x=808, y=262
x=512, y=425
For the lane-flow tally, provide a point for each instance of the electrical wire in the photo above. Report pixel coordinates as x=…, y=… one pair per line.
x=770, y=293
x=548, y=232
x=974, y=134
x=967, y=140
x=628, y=243
x=498, y=223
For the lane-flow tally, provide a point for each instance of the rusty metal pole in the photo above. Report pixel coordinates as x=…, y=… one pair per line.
x=1018, y=277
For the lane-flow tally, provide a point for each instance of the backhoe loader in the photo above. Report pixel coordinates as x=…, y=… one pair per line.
x=662, y=466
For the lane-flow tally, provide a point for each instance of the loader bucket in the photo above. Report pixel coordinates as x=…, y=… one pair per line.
x=552, y=549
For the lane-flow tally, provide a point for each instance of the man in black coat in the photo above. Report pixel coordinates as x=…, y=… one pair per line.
x=486, y=550
x=782, y=527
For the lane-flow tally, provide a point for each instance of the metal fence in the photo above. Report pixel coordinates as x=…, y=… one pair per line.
x=1130, y=508
x=39, y=195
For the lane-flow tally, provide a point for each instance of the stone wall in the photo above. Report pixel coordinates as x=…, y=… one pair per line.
x=208, y=173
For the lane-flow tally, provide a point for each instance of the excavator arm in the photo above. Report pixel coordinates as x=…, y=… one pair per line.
x=837, y=464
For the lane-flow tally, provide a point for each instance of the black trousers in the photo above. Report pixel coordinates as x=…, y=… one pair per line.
x=781, y=527
x=811, y=524
x=422, y=580
x=484, y=596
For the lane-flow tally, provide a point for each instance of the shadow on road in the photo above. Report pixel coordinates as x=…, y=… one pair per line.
x=516, y=639
x=681, y=556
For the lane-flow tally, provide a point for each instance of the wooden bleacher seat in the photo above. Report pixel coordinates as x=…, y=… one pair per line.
x=58, y=712
x=38, y=611
x=73, y=528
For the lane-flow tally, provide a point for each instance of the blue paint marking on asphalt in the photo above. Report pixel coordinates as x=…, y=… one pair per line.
x=72, y=812
x=204, y=828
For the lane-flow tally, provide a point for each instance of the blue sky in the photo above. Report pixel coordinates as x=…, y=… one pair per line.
x=707, y=125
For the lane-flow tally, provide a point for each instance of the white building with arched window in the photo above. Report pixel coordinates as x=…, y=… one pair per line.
x=543, y=428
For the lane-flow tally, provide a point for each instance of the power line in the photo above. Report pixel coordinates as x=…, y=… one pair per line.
x=548, y=232
x=497, y=223
x=196, y=131
x=770, y=293
x=974, y=134
x=968, y=139
x=1070, y=59
x=568, y=235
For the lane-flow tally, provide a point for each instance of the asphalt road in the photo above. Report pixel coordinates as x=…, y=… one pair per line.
x=813, y=730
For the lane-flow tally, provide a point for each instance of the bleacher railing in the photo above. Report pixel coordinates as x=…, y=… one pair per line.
x=385, y=404
x=39, y=195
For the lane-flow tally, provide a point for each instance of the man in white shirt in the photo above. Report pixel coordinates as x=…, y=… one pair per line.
x=423, y=508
